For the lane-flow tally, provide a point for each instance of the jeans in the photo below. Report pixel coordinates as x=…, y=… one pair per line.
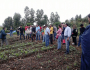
x=43, y=38
x=17, y=33
x=30, y=35
x=59, y=42
x=37, y=36
x=21, y=35
x=62, y=37
x=54, y=36
x=2, y=41
x=79, y=40
x=67, y=44
x=11, y=34
x=27, y=36
x=47, y=40
x=51, y=38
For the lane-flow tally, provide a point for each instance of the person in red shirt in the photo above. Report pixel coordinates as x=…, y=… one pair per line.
x=26, y=27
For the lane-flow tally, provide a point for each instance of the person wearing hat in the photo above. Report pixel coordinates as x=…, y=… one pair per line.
x=82, y=29
x=67, y=35
x=85, y=44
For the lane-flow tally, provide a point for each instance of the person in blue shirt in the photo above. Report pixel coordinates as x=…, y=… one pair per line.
x=11, y=30
x=37, y=32
x=3, y=37
x=85, y=44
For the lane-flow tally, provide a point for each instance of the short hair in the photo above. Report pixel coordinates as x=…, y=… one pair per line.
x=81, y=25
x=67, y=24
x=59, y=25
x=3, y=27
x=89, y=15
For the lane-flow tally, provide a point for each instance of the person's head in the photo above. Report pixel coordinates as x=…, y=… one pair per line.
x=81, y=25
x=4, y=28
x=59, y=26
x=66, y=24
x=74, y=26
x=89, y=18
x=21, y=26
x=36, y=25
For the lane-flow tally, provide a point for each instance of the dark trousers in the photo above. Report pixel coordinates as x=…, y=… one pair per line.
x=74, y=40
x=2, y=41
x=51, y=38
x=27, y=37
x=17, y=33
x=21, y=35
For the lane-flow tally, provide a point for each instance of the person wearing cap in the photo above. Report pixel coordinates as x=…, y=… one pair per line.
x=85, y=44
x=67, y=35
x=82, y=29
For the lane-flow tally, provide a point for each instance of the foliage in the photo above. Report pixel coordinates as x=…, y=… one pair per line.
x=57, y=24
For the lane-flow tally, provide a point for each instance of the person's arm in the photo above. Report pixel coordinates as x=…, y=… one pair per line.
x=3, y=32
x=69, y=33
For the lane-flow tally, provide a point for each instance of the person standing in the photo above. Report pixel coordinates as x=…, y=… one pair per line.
x=67, y=35
x=85, y=45
x=55, y=30
x=74, y=34
x=11, y=31
x=30, y=31
x=26, y=27
x=82, y=29
x=44, y=39
x=51, y=34
x=63, y=29
x=47, y=33
x=33, y=32
x=21, y=32
x=3, y=37
x=59, y=32
x=18, y=31
x=37, y=33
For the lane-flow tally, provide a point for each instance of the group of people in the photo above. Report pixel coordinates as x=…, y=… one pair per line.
x=48, y=34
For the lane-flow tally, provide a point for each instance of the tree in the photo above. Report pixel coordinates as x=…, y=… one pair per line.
x=57, y=24
x=52, y=18
x=32, y=12
x=57, y=17
x=39, y=16
x=27, y=13
x=8, y=22
x=16, y=20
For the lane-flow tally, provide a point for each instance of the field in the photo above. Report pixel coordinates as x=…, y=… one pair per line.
x=28, y=55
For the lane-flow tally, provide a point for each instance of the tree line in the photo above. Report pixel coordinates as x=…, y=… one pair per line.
x=32, y=16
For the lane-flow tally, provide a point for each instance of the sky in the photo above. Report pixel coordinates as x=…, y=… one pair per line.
x=65, y=8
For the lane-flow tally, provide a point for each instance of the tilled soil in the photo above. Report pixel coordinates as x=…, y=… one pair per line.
x=47, y=60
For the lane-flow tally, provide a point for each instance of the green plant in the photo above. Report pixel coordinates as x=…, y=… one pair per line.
x=38, y=55
x=17, y=54
x=49, y=61
x=68, y=68
x=26, y=52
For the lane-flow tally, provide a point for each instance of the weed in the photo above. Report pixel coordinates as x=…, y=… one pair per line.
x=38, y=55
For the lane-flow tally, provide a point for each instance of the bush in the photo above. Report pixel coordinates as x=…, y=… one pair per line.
x=57, y=24
x=28, y=24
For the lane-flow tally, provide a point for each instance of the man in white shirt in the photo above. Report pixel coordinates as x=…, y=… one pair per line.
x=47, y=33
x=67, y=34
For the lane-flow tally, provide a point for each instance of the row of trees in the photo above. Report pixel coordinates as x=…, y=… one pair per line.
x=40, y=18
x=31, y=17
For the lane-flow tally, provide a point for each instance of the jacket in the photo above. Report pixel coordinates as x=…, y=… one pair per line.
x=3, y=34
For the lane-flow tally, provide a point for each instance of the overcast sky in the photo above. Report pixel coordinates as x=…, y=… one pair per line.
x=65, y=8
